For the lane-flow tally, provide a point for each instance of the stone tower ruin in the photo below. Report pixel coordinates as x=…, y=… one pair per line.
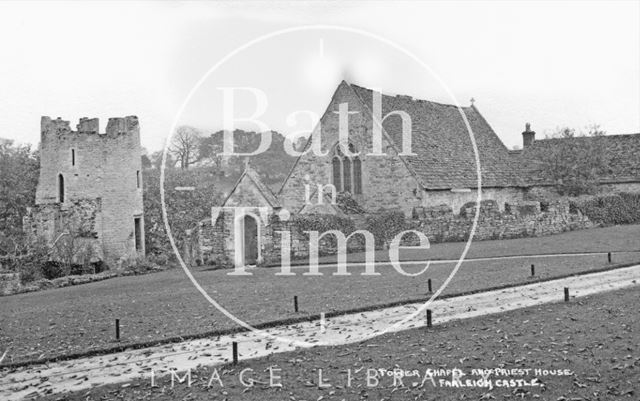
x=90, y=189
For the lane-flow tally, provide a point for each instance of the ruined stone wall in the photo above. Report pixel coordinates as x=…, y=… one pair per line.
x=80, y=218
x=523, y=219
x=456, y=199
x=95, y=165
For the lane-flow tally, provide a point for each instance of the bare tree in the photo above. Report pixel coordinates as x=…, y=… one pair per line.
x=185, y=146
x=575, y=161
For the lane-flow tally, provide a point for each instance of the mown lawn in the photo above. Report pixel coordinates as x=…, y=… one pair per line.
x=616, y=238
x=594, y=340
x=165, y=305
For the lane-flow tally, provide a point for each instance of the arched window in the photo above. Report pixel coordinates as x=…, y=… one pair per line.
x=60, y=188
x=337, y=173
x=346, y=170
x=346, y=173
x=357, y=176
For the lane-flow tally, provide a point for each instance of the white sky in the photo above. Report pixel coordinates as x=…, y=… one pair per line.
x=548, y=63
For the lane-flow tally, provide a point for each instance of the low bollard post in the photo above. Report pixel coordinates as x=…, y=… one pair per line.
x=295, y=303
x=533, y=270
x=429, y=321
x=429, y=285
x=117, y=329
x=235, y=352
x=566, y=294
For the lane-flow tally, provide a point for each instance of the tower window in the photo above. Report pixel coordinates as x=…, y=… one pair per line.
x=73, y=157
x=60, y=188
x=138, y=178
x=137, y=227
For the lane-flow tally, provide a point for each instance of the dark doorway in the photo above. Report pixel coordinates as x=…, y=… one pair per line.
x=250, y=250
x=60, y=188
x=137, y=223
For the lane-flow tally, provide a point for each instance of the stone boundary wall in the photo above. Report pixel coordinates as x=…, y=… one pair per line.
x=522, y=219
x=209, y=244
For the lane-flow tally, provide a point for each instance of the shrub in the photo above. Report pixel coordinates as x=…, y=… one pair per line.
x=99, y=266
x=141, y=265
x=222, y=262
x=29, y=272
x=52, y=269
x=621, y=208
x=347, y=204
x=386, y=225
x=323, y=223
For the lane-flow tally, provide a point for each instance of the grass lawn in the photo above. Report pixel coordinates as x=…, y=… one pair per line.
x=594, y=339
x=165, y=305
x=624, y=238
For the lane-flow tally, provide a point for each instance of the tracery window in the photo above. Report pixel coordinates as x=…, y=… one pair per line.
x=347, y=171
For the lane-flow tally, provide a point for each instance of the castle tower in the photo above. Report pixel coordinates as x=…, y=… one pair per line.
x=95, y=178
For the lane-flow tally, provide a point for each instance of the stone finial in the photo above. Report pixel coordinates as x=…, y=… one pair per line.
x=472, y=100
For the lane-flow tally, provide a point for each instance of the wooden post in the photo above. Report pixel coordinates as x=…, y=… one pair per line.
x=429, y=285
x=117, y=329
x=566, y=294
x=295, y=303
x=428, y=318
x=235, y=352
x=533, y=270
x=609, y=257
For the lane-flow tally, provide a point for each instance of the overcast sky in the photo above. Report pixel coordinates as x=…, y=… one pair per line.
x=549, y=63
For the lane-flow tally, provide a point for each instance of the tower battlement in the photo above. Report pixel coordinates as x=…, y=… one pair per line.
x=115, y=126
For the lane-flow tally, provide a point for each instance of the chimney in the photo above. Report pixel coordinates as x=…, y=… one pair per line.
x=528, y=136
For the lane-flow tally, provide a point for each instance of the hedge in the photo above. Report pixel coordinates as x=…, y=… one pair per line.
x=620, y=208
x=386, y=225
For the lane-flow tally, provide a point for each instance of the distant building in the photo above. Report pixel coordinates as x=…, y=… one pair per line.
x=90, y=188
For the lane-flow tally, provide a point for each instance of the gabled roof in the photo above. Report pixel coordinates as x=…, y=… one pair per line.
x=620, y=155
x=250, y=174
x=444, y=153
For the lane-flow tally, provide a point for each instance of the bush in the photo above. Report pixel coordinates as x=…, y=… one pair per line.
x=323, y=223
x=347, y=204
x=52, y=270
x=386, y=225
x=142, y=265
x=222, y=262
x=99, y=266
x=76, y=269
x=29, y=272
x=621, y=208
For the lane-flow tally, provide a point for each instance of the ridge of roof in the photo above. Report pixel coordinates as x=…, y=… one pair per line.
x=408, y=97
x=580, y=137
